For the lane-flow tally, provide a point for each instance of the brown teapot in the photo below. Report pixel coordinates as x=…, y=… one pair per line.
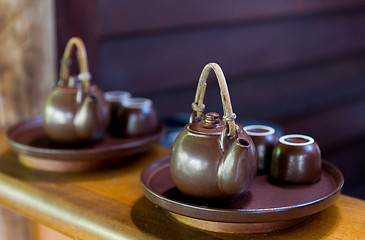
x=210, y=158
x=75, y=111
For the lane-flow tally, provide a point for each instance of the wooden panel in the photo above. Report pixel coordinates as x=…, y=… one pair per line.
x=347, y=156
x=287, y=93
x=140, y=16
x=169, y=61
x=27, y=58
x=333, y=127
x=26, y=71
x=277, y=94
x=78, y=18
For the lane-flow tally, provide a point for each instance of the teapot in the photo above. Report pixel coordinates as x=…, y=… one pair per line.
x=76, y=110
x=210, y=158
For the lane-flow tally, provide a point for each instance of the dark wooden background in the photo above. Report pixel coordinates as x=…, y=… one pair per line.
x=297, y=64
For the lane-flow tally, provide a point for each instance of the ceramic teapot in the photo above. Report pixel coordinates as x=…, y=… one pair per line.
x=76, y=110
x=210, y=158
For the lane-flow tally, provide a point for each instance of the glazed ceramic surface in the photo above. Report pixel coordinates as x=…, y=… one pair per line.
x=296, y=159
x=265, y=138
x=35, y=149
x=210, y=158
x=75, y=111
x=136, y=117
x=68, y=121
x=115, y=100
x=197, y=157
x=266, y=207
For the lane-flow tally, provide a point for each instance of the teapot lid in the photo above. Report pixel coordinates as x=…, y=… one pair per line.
x=211, y=125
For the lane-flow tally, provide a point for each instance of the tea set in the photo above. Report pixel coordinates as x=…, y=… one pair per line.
x=226, y=178
x=77, y=111
x=214, y=161
x=83, y=128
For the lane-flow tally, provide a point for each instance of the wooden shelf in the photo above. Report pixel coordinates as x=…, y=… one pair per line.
x=109, y=204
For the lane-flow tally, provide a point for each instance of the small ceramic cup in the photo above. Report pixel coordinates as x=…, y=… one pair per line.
x=264, y=138
x=137, y=117
x=115, y=100
x=296, y=159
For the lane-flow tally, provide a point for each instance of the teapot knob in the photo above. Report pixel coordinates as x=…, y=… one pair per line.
x=211, y=120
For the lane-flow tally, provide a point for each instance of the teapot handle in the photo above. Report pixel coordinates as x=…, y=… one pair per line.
x=198, y=105
x=84, y=74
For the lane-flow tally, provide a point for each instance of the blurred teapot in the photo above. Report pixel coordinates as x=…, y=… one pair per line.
x=76, y=110
x=210, y=158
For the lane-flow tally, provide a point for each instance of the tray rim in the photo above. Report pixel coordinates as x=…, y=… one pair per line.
x=248, y=215
x=70, y=154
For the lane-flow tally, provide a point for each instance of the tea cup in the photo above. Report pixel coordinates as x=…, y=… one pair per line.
x=264, y=138
x=296, y=159
x=115, y=100
x=137, y=117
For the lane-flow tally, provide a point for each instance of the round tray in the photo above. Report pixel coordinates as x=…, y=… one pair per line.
x=265, y=208
x=35, y=150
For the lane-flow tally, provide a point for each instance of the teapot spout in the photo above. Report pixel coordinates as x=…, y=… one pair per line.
x=237, y=170
x=85, y=119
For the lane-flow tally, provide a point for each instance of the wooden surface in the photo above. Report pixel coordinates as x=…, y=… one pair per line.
x=41, y=232
x=109, y=204
x=27, y=73
x=14, y=226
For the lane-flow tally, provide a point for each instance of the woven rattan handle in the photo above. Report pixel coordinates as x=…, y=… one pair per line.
x=198, y=105
x=84, y=75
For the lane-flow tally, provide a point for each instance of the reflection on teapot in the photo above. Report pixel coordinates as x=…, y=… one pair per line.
x=75, y=111
x=211, y=158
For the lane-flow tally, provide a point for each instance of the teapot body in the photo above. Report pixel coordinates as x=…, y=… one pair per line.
x=76, y=110
x=59, y=113
x=196, y=159
x=210, y=158
x=70, y=117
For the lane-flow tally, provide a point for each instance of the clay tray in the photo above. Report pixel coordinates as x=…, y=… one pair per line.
x=35, y=150
x=265, y=208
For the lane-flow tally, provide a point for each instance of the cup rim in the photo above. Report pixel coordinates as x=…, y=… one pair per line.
x=137, y=102
x=270, y=130
x=116, y=95
x=309, y=139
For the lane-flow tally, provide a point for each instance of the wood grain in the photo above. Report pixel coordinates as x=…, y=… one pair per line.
x=279, y=94
x=198, y=14
x=41, y=232
x=13, y=225
x=175, y=59
x=27, y=73
x=109, y=204
x=27, y=70
x=78, y=18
